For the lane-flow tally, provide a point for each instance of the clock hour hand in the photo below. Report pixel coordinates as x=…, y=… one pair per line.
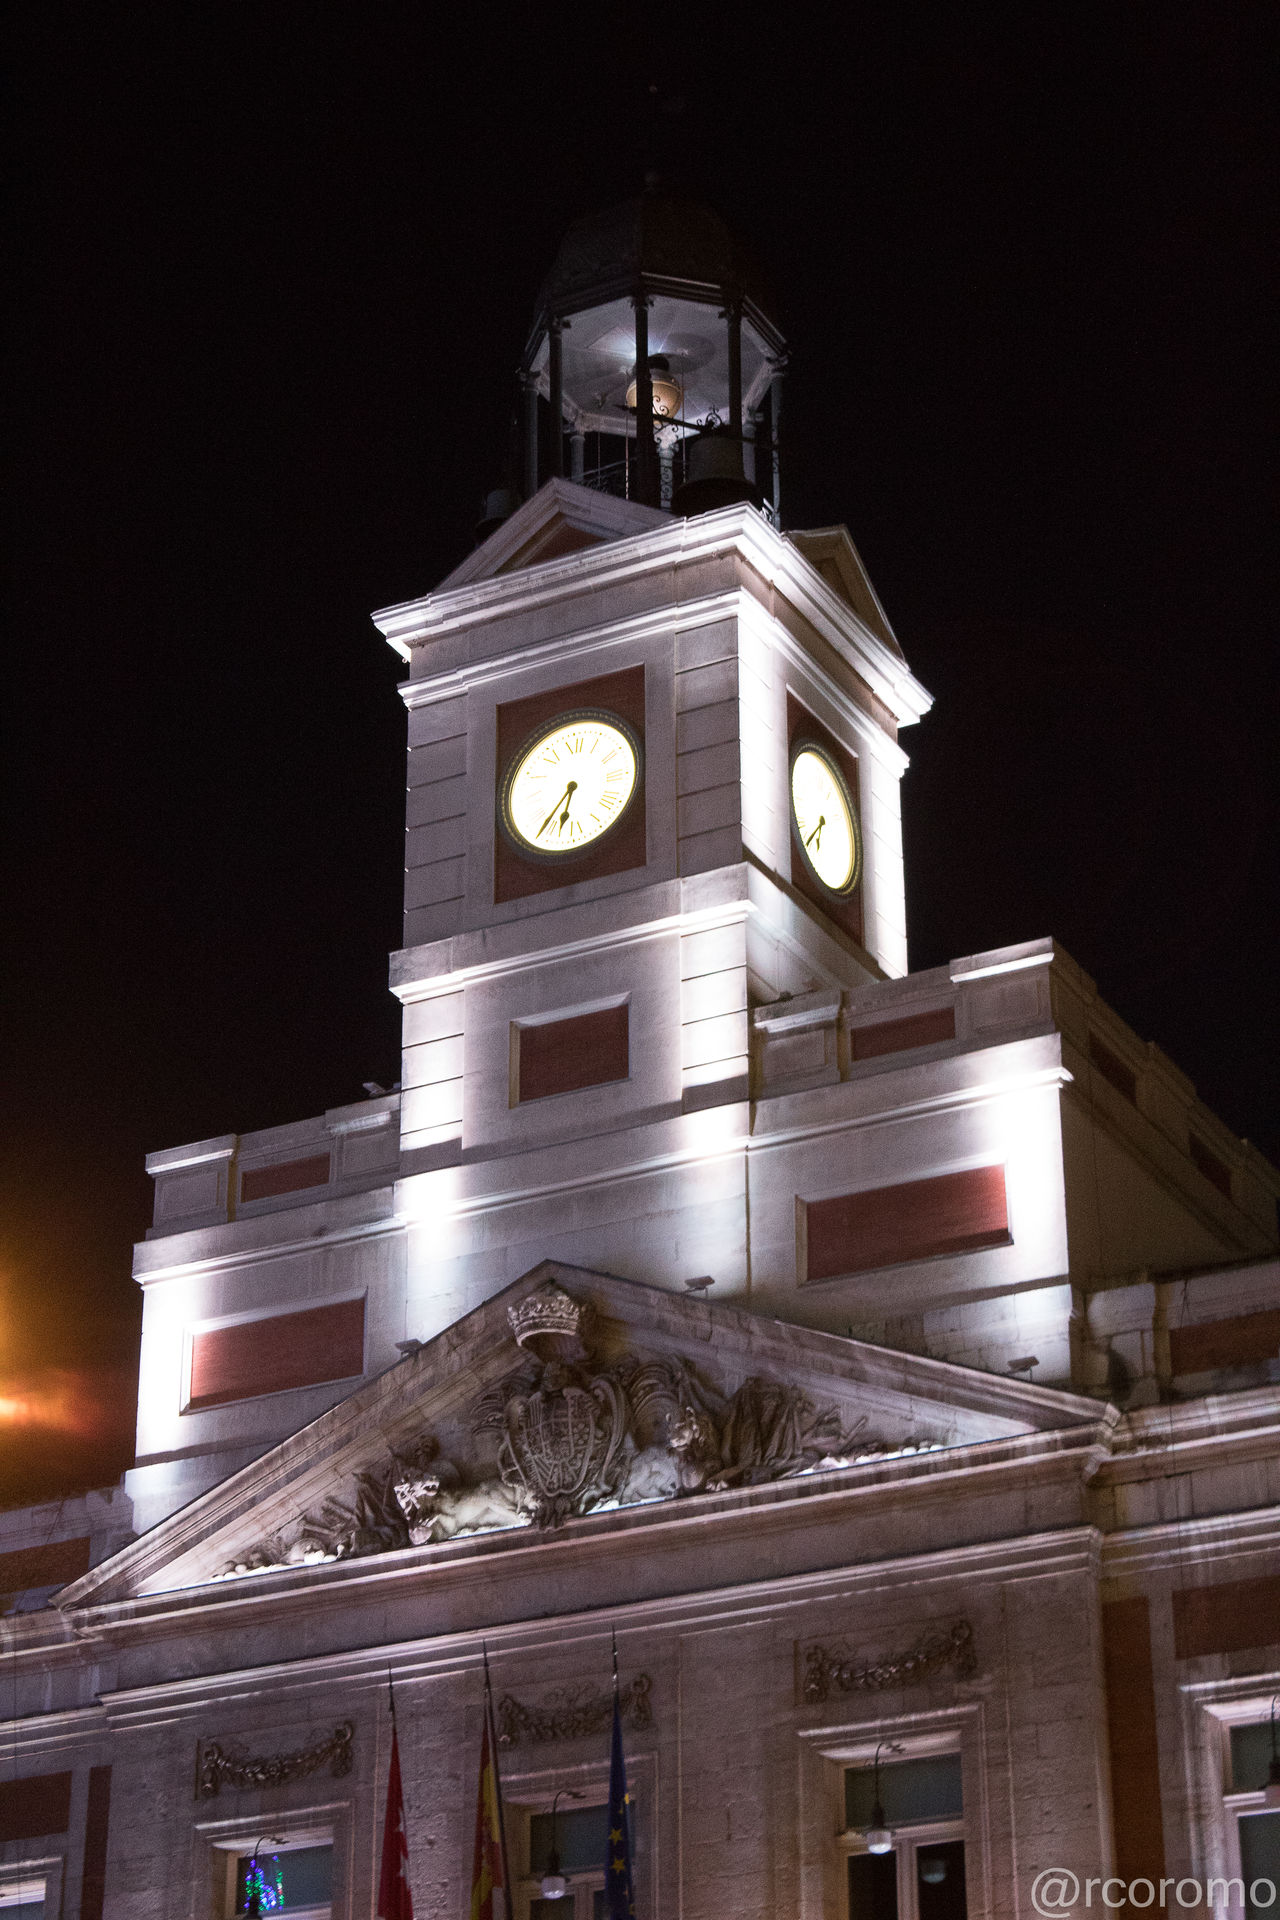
x=816, y=835
x=565, y=798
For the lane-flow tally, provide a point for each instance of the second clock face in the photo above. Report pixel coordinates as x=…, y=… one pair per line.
x=570, y=784
x=825, y=820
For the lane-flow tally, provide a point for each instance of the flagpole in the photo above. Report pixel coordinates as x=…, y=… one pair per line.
x=491, y=1724
x=619, y=1883
x=395, y=1897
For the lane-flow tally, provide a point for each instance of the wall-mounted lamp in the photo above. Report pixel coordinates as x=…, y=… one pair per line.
x=1271, y=1792
x=553, y=1885
x=879, y=1838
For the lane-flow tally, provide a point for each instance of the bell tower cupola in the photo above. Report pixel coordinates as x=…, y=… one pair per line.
x=653, y=367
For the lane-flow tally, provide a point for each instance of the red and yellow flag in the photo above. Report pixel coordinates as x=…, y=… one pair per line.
x=490, y=1881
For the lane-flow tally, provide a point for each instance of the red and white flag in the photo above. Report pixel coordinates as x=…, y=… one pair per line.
x=395, y=1901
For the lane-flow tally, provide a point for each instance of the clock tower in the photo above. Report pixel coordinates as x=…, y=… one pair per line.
x=658, y=1022
x=653, y=788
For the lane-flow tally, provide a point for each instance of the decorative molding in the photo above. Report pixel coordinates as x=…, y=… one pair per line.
x=568, y=1713
x=566, y=1435
x=829, y=1670
x=218, y=1766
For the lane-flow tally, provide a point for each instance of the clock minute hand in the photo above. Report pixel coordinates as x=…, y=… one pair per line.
x=817, y=832
x=566, y=796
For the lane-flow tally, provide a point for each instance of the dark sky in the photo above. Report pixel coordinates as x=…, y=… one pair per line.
x=274, y=266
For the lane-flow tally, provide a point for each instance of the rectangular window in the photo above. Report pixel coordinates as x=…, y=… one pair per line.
x=291, y=1176
x=296, y=1881
x=563, y=1056
x=1254, y=1828
x=1122, y=1078
x=884, y=1226
x=1259, y=1835
x=22, y=1899
x=580, y=1840
x=898, y=1036
x=911, y=1791
x=273, y=1354
x=921, y=1875
x=1209, y=1164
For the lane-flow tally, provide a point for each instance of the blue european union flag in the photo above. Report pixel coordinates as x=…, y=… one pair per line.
x=620, y=1896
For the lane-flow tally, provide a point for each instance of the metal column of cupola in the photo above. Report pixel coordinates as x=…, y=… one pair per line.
x=653, y=368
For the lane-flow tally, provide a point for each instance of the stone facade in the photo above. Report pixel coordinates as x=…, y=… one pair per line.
x=889, y=1361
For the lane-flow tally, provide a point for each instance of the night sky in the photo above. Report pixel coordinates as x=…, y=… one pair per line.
x=273, y=269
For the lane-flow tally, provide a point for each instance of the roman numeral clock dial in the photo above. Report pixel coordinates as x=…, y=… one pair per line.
x=825, y=821
x=570, y=784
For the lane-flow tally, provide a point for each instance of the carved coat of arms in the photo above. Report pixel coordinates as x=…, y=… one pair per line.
x=563, y=1442
x=574, y=1435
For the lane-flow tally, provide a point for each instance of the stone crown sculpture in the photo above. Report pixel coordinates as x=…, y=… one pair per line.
x=549, y=1322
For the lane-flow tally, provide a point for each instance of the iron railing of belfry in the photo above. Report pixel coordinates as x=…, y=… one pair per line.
x=611, y=479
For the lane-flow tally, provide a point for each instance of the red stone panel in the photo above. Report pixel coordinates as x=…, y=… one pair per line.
x=515, y=877
x=845, y=911
x=1209, y=1164
x=33, y=1807
x=93, y=1883
x=950, y=1213
x=1225, y=1343
x=1227, y=1618
x=896, y=1036
x=283, y=1350
x=559, y=1056
x=49, y=1566
x=1131, y=1728
x=1112, y=1069
x=292, y=1176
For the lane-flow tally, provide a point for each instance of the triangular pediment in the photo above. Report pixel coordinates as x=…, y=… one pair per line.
x=560, y=519
x=572, y=1395
x=831, y=552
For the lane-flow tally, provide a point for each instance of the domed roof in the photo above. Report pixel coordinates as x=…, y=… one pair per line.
x=668, y=241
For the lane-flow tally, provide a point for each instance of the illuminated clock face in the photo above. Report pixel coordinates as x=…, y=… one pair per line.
x=825, y=820
x=571, y=784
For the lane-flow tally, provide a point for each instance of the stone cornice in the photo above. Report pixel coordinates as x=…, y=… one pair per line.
x=45, y=1733
x=453, y=682
x=409, y=983
x=616, y=1542
x=737, y=531
x=1072, y=1550
x=1191, y=1546
x=235, y=1243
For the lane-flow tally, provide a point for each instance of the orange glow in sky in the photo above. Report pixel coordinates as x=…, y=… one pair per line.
x=55, y=1399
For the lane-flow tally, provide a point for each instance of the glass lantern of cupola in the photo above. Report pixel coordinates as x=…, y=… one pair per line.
x=653, y=367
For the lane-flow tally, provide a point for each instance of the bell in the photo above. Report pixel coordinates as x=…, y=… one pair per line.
x=499, y=505
x=713, y=475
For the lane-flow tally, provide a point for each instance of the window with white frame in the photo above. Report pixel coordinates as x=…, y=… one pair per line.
x=578, y=1837
x=291, y=1877
x=1253, y=1826
x=903, y=1853
x=23, y=1899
